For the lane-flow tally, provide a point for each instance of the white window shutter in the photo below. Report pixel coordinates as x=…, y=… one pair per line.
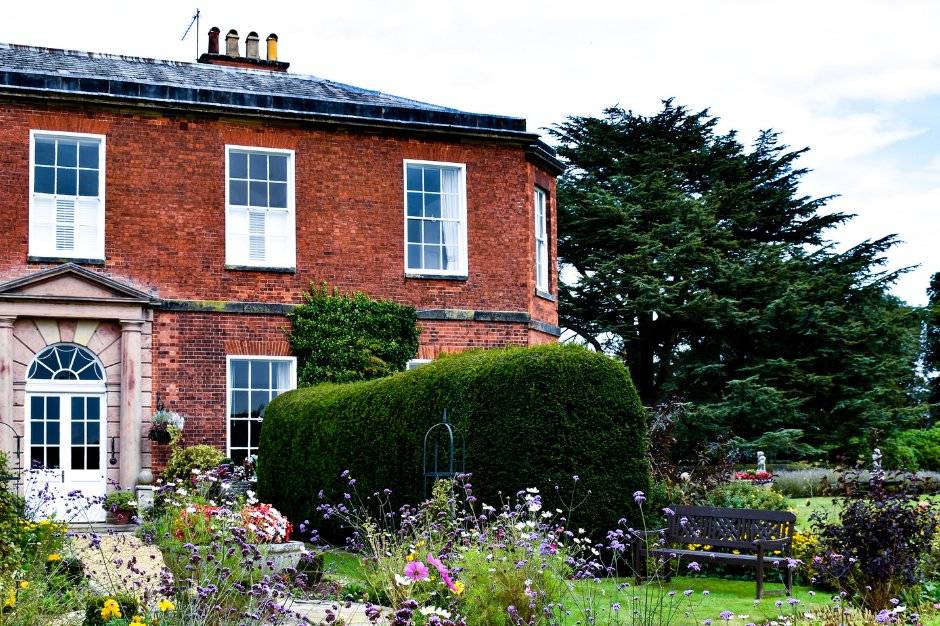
x=65, y=225
x=276, y=235
x=256, y=236
x=42, y=226
x=237, y=226
x=86, y=227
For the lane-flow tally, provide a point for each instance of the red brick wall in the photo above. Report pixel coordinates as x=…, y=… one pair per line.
x=165, y=209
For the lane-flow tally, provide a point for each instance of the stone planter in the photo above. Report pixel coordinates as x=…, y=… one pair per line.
x=281, y=555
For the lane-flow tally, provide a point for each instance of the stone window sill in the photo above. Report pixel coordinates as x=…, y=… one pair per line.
x=436, y=276
x=63, y=259
x=545, y=295
x=261, y=268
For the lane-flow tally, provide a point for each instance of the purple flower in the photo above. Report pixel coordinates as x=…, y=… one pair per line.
x=726, y=615
x=416, y=570
x=639, y=497
x=694, y=567
x=668, y=512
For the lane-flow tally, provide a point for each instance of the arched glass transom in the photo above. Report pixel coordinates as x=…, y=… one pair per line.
x=65, y=361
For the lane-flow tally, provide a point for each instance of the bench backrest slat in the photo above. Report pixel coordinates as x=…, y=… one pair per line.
x=727, y=528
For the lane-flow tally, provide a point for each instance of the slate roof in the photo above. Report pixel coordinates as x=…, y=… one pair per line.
x=33, y=69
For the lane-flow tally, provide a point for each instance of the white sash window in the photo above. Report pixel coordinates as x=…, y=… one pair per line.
x=253, y=381
x=435, y=219
x=541, y=241
x=66, y=211
x=259, y=207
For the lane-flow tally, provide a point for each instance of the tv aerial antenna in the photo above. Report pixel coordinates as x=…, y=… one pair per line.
x=195, y=21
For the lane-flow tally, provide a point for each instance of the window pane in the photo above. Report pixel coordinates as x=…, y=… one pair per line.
x=432, y=205
x=258, y=166
x=414, y=178
x=78, y=458
x=238, y=192
x=94, y=458
x=239, y=456
x=451, y=180
x=432, y=232
x=65, y=181
x=280, y=378
x=67, y=153
x=36, y=408
x=258, y=194
x=278, y=165
x=52, y=433
x=432, y=179
x=278, y=195
x=45, y=151
x=44, y=181
x=239, y=434
x=414, y=204
x=240, y=374
x=259, y=400
x=414, y=256
x=88, y=182
x=414, y=231
x=88, y=154
x=255, y=432
x=94, y=433
x=450, y=206
x=52, y=458
x=237, y=165
x=239, y=404
x=260, y=374
x=52, y=408
x=36, y=457
x=432, y=257
x=78, y=433
x=78, y=408
x=94, y=407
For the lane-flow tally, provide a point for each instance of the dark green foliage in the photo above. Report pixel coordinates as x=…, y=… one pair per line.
x=184, y=460
x=916, y=449
x=533, y=417
x=932, y=346
x=341, y=338
x=703, y=267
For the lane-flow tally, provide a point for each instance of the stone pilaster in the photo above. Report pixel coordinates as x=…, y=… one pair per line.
x=7, y=439
x=130, y=431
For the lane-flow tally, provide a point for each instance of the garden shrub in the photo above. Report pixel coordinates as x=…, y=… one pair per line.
x=742, y=494
x=806, y=483
x=532, y=417
x=917, y=449
x=347, y=337
x=184, y=460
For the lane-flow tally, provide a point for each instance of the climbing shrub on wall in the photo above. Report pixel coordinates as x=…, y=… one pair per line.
x=348, y=337
x=532, y=417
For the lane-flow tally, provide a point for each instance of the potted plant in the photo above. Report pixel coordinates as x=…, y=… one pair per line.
x=164, y=425
x=120, y=506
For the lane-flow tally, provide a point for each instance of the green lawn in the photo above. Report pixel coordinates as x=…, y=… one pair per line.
x=805, y=507
x=736, y=596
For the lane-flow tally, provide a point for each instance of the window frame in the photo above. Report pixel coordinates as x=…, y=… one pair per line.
x=32, y=250
x=228, y=388
x=462, y=269
x=543, y=223
x=232, y=261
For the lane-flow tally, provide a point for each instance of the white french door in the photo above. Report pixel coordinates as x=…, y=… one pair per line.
x=65, y=434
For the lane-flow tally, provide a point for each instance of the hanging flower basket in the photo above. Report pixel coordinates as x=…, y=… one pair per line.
x=163, y=424
x=160, y=435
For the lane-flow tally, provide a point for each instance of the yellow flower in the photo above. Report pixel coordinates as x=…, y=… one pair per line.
x=55, y=556
x=24, y=584
x=110, y=610
x=166, y=605
x=410, y=557
x=11, y=598
x=459, y=587
x=137, y=619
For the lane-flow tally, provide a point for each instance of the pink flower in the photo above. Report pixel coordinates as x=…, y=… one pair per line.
x=415, y=570
x=442, y=570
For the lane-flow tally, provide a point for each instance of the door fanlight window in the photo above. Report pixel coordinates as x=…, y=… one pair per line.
x=65, y=362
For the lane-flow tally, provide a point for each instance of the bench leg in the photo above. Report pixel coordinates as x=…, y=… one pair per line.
x=760, y=572
x=788, y=580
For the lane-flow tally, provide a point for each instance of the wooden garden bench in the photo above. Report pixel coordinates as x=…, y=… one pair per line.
x=750, y=537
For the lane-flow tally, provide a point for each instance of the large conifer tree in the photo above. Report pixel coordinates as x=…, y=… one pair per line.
x=701, y=264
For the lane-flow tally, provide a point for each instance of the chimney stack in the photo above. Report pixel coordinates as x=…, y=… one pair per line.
x=272, y=47
x=232, y=56
x=214, y=40
x=251, y=45
x=231, y=43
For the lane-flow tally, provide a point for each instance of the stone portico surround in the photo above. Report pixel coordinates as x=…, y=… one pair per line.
x=69, y=304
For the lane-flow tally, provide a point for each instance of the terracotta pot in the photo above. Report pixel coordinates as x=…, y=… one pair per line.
x=121, y=518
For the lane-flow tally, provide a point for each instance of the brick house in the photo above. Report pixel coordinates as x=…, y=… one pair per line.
x=160, y=218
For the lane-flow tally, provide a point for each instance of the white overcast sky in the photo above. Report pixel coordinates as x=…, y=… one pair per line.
x=857, y=81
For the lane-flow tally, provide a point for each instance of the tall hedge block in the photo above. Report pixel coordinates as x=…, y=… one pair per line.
x=532, y=417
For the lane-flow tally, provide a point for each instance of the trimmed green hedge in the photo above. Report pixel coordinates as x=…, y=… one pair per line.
x=533, y=417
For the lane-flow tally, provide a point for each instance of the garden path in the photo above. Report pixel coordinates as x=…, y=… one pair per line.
x=316, y=611
x=119, y=561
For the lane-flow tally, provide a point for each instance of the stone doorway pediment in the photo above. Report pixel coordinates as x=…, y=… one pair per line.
x=73, y=282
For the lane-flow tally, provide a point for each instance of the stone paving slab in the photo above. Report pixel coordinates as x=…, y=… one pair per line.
x=120, y=562
x=315, y=611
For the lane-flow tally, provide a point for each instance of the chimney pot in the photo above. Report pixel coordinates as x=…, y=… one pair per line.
x=231, y=43
x=214, y=40
x=272, y=47
x=251, y=45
